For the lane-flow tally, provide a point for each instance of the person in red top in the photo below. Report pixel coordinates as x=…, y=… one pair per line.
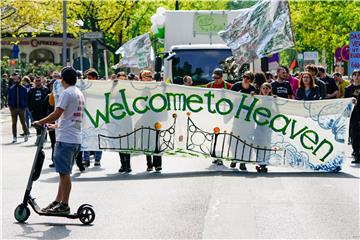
x=218, y=80
x=218, y=83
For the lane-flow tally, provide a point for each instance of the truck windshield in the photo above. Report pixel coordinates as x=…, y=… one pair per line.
x=197, y=63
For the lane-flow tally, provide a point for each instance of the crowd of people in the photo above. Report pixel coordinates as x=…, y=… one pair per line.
x=31, y=98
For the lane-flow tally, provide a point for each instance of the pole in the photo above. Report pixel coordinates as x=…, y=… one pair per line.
x=64, y=57
x=81, y=55
x=106, y=66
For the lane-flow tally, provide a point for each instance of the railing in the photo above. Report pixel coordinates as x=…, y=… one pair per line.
x=144, y=139
x=226, y=145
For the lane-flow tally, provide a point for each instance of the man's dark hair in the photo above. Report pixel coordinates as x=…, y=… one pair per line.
x=68, y=74
x=321, y=69
x=218, y=71
x=131, y=76
x=356, y=71
x=285, y=68
x=312, y=67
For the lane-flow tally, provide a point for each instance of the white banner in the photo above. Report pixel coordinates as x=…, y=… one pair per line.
x=161, y=118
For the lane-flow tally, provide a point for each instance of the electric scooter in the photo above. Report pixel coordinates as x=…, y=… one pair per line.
x=85, y=212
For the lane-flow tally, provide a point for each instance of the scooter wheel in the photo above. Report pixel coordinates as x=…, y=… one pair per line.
x=21, y=213
x=86, y=215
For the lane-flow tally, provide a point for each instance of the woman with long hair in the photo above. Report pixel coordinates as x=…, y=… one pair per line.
x=307, y=90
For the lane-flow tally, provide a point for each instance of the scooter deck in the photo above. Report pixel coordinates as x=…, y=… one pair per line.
x=37, y=209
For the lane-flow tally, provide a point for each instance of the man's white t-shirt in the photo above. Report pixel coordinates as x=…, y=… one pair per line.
x=72, y=101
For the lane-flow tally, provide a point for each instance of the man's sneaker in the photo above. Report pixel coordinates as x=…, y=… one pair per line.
x=86, y=163
x=52, y=165
x=243, y=167
x=51, y=205
x=14, y=140
x=128, y=170
x=121, y=170
x=357, y=161
x=149, y=169
x=59, y=209
x=233, y=164
x=158, y=169
x=97, y=163
x=26, y=138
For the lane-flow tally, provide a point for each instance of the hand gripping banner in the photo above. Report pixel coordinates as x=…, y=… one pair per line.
x=166, y=119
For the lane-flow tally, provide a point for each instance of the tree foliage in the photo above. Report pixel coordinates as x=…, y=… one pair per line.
x=317, y=25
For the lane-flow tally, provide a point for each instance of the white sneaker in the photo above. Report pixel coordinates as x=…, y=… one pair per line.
x=14, y=140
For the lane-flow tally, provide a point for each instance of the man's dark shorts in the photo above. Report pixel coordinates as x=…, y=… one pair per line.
x=64, y=156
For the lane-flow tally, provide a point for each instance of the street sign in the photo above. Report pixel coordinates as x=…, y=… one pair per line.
x=93, y=35
x=338, y=54
x=345, y=53
x=354, y=62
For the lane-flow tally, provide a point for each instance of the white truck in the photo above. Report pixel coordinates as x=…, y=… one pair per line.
x=197, y=49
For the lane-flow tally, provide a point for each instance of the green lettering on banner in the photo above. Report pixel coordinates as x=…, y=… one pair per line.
x=136, y=109
x=193, y=98
x=283, y=128
x=248, y=108
x=181, y=99
x=324, y=142
x=123, y=97
x=209, y=95
x=262, y=111
x=99, y=114
x=151, y=105
x=116, y=107
x=310, y=135
x=218, y=103
x=292, y=134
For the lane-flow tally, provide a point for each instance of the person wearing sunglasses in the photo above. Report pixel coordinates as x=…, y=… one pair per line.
x=244, y=86
x=218, y=80
x=218, y=83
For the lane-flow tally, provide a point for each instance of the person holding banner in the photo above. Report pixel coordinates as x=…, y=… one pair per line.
x=218, y=83
x=307, y=90
x=92, y=74
x=152, y=161
x=313, y=70
x=244, y=87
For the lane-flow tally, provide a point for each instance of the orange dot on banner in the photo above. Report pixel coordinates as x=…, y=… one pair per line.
x=157, y=126
x=12, y=62
x=188, y=114
x=216, y=130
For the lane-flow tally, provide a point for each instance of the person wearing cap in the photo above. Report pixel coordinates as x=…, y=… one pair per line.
x=18, y=102
x=218, y=80
x=69, y=112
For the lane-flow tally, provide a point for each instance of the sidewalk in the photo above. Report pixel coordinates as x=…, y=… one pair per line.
x=5, y=115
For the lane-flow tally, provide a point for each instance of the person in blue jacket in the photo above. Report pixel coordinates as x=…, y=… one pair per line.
x=17, y=102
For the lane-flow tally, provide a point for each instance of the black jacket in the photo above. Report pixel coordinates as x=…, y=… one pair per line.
x=314, y=94
x=36, y=100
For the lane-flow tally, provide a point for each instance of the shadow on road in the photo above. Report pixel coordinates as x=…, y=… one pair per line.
x=56, y=230
x=154, y=175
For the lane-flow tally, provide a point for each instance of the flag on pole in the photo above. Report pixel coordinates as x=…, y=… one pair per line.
x=137, y=52
x=258, y=31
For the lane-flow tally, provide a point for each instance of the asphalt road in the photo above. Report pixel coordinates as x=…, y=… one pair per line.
x=190, y=199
